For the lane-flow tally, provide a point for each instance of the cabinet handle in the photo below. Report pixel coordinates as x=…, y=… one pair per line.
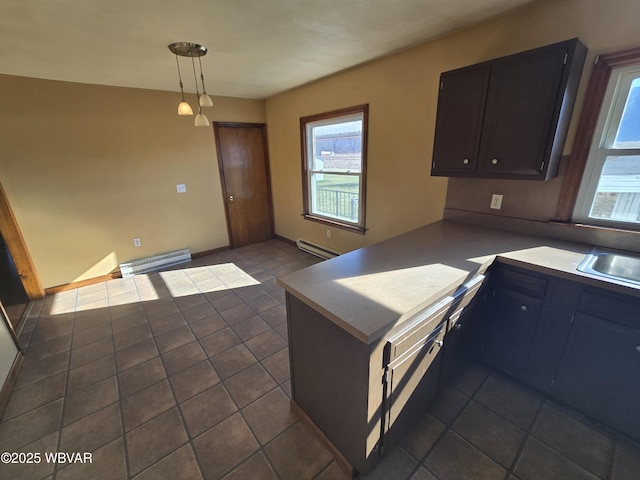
x=523, y=308
x=638, y=349
x=494, y=161
x=438, y=343
x=465, y=161
x=458, y=326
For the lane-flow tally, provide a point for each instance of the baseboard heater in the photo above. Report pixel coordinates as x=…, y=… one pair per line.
x=315, y=249
x=156, y=262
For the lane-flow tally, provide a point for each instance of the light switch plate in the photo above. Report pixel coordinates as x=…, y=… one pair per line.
x=496, y=201
x=181, y=187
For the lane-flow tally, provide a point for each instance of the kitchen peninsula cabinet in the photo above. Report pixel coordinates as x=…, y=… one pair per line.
x=373, y=334
x=508, y=117
x=366, y=397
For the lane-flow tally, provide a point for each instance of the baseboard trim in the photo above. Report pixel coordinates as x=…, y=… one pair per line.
x=82, y=283
x=284, y=239
x=117, y=274
x=214, y=251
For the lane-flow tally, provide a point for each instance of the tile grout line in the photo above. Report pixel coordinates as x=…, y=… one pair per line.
x=611, y=437
x=448, y=428
x=528, y=433
x=125, y=447
x=55, y=471
x=112, y=334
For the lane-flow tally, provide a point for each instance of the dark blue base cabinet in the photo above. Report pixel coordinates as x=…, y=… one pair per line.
x=576, y=343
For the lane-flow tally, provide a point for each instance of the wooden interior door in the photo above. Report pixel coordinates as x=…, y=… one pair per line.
x=246, y=186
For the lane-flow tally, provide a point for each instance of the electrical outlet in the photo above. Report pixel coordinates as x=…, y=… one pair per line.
x=137, y=242
x=181, y=187
x=328, y=233
x=496, y=201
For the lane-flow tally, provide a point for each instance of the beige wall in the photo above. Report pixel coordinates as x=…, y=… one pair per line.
x=88, y=168
x=402, y=94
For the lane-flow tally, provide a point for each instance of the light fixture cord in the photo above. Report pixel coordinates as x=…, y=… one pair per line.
x=180, y=77
x=193, y=63
x=204, y=90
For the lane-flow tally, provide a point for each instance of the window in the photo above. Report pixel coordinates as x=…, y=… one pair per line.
x=597, y=120
x=610, y=189
x=334, y=146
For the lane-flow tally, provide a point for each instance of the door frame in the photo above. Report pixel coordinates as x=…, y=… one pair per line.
x=18, y=249
x=223, y=182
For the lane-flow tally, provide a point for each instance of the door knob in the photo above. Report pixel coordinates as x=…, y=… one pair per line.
x=231, y=199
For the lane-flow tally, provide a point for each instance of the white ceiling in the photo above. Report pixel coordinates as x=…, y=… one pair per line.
x=257, y=48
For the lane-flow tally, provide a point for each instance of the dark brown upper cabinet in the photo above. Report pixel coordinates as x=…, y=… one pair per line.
x=508, y=117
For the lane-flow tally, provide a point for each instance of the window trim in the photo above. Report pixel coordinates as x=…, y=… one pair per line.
x=307, y=214
x=602, y=147
x=586, y=129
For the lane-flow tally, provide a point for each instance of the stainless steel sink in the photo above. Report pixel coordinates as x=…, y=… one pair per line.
x=621, y=266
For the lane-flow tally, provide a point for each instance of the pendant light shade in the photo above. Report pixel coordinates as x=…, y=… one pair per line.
x=193, y=50
x=201, y=120
x=184, y=108
x=205, y=100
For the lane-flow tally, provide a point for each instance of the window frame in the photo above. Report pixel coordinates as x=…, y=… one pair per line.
x=587, y=124
x=308, y=214
x=603, y=146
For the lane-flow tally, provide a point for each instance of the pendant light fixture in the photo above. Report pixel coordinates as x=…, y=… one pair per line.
x=188, y=49
x=204, y=100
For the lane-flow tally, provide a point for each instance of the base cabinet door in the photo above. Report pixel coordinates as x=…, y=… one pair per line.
x=600, y=372
x=459, y=344
x=412, y=386
x=509, y=323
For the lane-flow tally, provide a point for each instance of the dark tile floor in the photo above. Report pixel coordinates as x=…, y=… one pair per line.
x=184, y=374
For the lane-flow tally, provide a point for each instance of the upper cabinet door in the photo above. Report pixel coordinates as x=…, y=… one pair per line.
x=461, y=104
x=508, y=117
x=522, y=104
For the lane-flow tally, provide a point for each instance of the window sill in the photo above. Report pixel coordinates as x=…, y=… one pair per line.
x=335, y=224
x=596, y=228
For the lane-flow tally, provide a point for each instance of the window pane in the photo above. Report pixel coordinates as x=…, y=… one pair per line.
x=336, y=196
x=338, y=147
x=618, y=193
x=628, y=134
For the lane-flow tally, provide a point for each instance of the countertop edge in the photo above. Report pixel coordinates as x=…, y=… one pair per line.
x=566, y=256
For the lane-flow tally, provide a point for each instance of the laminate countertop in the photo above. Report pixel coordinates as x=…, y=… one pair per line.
x=370, y=291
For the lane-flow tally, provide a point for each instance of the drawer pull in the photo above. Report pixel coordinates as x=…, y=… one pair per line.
x=494, y=161
x=465, y=161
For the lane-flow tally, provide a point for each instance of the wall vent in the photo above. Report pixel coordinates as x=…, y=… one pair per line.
x=315, y=249
x=156, y=262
